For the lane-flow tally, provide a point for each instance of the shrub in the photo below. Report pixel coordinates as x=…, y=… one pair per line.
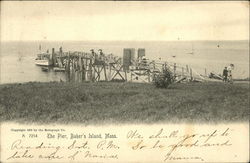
x=164, y=79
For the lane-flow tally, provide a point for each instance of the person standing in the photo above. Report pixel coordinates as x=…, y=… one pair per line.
x=93, y=54
x=225, y=74
x=230, y=76
x=101, y=55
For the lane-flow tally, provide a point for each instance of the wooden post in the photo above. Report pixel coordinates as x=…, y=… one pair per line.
x=73, y=69
x=99, y=73
x=80, y=68
x=191, y=74
x=174, y=68
x=148, y=76
x=182, y=72
x=110, y=72
x=68, y=67
x=84, y=67
x=187, y=69
x=105, y=75
x=60, y=60
x=131, y=75
x=90, y=69
x=125, y=71
x=53, y=57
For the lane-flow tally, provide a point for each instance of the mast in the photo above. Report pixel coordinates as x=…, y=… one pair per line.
x=192, y=52
x=192, y=48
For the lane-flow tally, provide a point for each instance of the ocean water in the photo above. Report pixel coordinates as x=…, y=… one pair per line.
x=17, y=58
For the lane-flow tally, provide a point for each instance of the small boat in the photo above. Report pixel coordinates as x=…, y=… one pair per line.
x=43, y=59
x=192, y=52
x=45, y=69
x=41, y=62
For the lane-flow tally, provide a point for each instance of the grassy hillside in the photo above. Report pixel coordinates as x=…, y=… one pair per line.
x=102, y=102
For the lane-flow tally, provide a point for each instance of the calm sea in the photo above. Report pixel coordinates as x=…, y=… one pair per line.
x=17, y=58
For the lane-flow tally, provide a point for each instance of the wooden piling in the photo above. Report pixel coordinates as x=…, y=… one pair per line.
x=187, y=68
x=67, y=68
x=110, y=72
x=125, y=75
x=165, y=66
x=131, y=76
x=84, y=70
x=149, y=77
x=174, y=69
x=191, y=74
x=90, y=70
x=80, y=68
x=105, y=75
x=53, y=57
x=182, y=71
x=72, y=69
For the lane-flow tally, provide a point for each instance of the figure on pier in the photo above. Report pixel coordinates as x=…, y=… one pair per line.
x=230, y=75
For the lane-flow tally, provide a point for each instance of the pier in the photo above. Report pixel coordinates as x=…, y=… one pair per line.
x=133, y=66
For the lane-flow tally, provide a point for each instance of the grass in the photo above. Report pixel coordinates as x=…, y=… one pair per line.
x=102, y=103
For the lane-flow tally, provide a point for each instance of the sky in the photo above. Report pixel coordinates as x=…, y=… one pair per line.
x=113, y=20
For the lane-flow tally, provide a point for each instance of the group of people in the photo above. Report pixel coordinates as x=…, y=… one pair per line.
x=110, y=58
x=100, y=55
x=227, y=73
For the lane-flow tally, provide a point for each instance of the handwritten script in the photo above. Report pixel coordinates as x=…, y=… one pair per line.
x=160, y=144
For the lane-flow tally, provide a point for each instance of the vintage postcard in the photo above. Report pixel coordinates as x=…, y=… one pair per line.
x=124, y=81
